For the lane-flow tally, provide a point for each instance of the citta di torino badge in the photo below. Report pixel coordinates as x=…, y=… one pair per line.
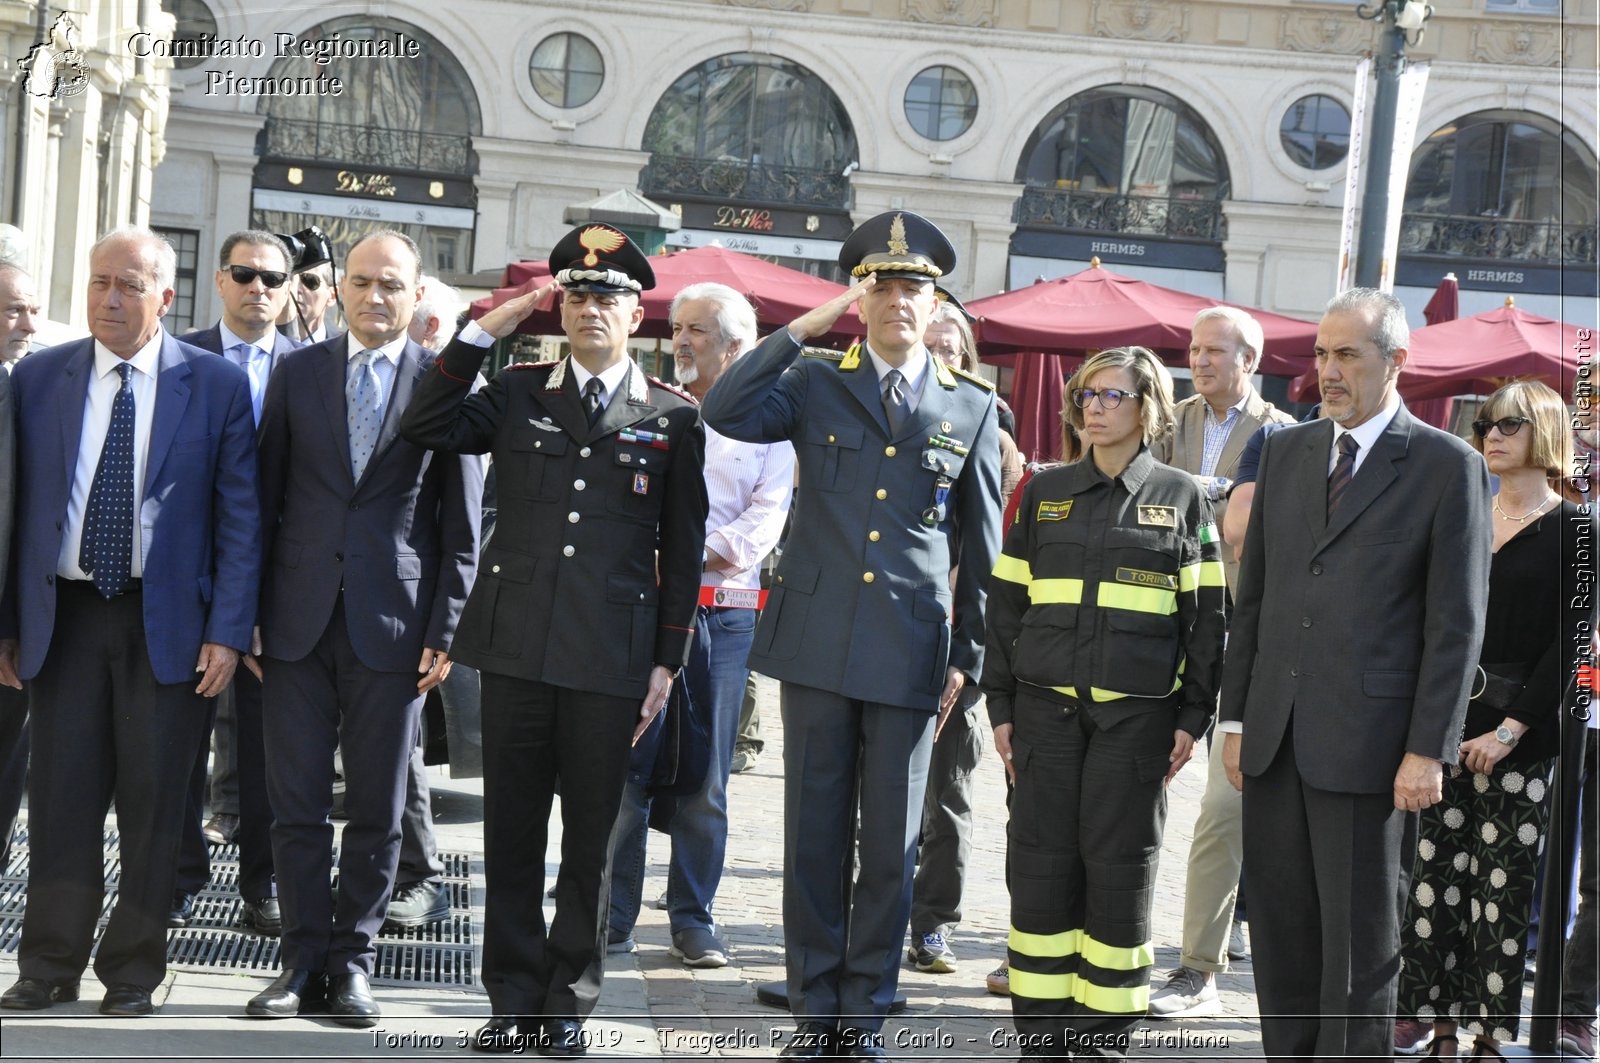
x=641, y=483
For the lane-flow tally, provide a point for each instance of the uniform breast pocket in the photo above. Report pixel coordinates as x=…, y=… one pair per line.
x=643, y=481
x=1141, y=653
x=533, y=463
x=830, y=455
x=1150, y=554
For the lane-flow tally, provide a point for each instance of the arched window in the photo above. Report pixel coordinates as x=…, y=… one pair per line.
x=396, y=114
x=1502, y=185
x=1124, y=158
x=752, y=128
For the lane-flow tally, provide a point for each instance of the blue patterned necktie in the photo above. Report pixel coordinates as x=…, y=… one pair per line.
x=1344, y=469
x=363, y=405
x=106, y=551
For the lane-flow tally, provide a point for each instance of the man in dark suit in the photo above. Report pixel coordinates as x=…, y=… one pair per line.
x=899, y=484
x=371, y=546
x=19, y=311
x=137, y=565
x=252, y=283
x=582, y=615
x=1360, y=612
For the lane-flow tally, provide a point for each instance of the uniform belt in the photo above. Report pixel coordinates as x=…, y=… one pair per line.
x=733, y=598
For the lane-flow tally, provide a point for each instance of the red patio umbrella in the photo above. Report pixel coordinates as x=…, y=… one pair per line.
x=1444, y=306
x=1475, y=355
x=779, y=294
x=1096, y=308
x=1036, y=402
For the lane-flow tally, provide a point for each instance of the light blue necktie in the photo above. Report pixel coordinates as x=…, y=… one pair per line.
x=363, y=404
x=258, y=364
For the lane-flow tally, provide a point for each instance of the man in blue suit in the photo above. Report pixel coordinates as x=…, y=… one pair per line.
x=252, y=283
x=372, y=543
x=137, y=566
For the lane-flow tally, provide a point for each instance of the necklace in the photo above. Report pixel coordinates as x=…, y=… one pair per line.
x=1526, y=516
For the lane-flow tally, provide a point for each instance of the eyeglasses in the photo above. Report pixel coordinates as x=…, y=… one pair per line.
x=1509, y=426
x=312, y=281
x=245, y=275
x=1110, y=398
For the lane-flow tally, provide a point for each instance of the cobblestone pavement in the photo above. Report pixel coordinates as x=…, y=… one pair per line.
x=948, y=1015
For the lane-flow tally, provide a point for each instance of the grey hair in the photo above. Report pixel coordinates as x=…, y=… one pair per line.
x=254, y=238
x=736, y=318
x=1247, y=328
x=443, y=302
x=1389, y=329
x=166, y=258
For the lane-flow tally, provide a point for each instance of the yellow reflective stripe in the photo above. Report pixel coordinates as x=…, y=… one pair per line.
x=1116, y=957
x=1109, y=999
x=1158, y=600
x=1066, y=943
x=1056, y=592
x=1013, y=569
x=1201, y=574
x=1070, y=692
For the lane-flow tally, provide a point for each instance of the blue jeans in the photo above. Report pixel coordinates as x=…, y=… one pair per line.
x=715, y=676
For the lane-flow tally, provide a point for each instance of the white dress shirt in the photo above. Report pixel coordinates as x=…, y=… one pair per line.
x=915, y=372
x=1366, y=434
x=387, y=363
x=610, y=379
x=104, y=383
x=749, y=486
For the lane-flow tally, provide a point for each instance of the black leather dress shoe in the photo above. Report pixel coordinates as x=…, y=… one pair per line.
x=36, y=994
x=562, y=1038
x=182, y=910
x=504, y=1034
x=811, y=1040
x=127, y=1001
x=856, y=1043
x=291, y=993
x=263, y=916
x=350, y=1000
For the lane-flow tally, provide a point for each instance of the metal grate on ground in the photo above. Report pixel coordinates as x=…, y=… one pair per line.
x=441, y=954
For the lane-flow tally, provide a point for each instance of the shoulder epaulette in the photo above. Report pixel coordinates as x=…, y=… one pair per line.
x=664, y=386
x=822, y=352
x=532, y=365
x=978, y=380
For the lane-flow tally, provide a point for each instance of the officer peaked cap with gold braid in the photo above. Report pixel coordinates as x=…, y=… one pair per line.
x=598, y=258
x=898, y=244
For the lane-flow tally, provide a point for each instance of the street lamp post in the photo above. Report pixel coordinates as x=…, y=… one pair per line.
x=1399, y=18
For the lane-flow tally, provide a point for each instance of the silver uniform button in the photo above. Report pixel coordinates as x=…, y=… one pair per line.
x=584, y=453
x=568, y=551
x=495, y=569
x=578, y=485
x=572, y=518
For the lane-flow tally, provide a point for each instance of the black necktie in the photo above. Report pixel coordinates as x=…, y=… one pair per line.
x=592, y=391
x=894, y=400
x=1344, y=469
x=106, y=550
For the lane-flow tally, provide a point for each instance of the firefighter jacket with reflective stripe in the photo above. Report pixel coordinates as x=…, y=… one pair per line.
x=1109, y=589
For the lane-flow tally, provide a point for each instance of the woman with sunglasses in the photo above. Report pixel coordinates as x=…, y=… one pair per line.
x=1105, y=624
x=1478, y=848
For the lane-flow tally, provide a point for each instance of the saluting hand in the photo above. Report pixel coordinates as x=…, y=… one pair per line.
x=503, y=320
x=655, y=699
x=816, y=322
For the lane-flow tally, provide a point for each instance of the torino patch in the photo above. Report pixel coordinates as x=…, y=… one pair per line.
x=1143, y=578
x=1054, y=510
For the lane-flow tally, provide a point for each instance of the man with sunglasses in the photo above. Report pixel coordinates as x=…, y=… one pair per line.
x=1362, y=591
x=252, y=282
x=311, y=293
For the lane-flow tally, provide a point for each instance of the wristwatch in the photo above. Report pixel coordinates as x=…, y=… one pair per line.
x=1504, y=735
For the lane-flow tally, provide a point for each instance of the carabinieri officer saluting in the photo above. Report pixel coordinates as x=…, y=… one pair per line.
x=899, y=483
x=600, y=467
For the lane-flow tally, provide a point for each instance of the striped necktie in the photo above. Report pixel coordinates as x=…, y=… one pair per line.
x=1344, y=470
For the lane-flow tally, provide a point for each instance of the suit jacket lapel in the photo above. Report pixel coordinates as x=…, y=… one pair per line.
x=1374, y=476
x=1250, y=419
x=172, y=398
x=1194, y=439
x=1314, y=478
x=564, y=405
x=71, y=396
x=932, y=409
x=329, y=373
x=863, y=384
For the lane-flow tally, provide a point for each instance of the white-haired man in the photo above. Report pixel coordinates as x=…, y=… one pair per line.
x=749, y=487
x=434, y=323
x=1210, y=431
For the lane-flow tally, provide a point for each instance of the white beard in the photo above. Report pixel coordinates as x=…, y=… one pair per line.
x=688, y=375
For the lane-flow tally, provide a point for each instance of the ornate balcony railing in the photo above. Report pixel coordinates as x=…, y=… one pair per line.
x=1500, y=238
x=1112, y=212
x=744, y=181
x=375, y=146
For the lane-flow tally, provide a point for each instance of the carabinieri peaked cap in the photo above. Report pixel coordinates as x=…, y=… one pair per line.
x=598, y=258
x=898, y=244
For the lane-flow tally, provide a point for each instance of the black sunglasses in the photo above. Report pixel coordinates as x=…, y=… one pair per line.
x=1110, y=398
x=1509, y=426
x=245, y=275
x=312, y=281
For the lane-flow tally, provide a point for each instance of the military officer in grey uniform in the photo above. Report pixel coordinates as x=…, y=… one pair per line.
x=577, y=637
x=899, y=484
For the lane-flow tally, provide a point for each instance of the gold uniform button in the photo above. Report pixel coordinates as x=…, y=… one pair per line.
x=867, y=577
x=888, y=452
x=874, y=536
x=832, y=439
x=882, y=494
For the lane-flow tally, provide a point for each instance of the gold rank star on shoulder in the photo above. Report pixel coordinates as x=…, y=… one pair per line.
x=1159, y=516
